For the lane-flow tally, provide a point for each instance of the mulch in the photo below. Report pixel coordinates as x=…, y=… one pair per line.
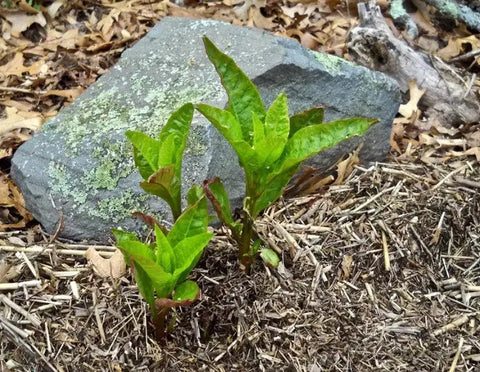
x=379, y=273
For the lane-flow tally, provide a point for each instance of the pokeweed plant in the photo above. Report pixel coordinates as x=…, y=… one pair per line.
x=159, y=161
x=270, y=147
x=161, y=269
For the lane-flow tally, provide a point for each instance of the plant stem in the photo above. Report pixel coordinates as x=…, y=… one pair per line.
x=244, y=256
x=176, y=211
x=159, y=317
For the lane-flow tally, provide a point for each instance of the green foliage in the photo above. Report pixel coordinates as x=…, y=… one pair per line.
x=270, y=145
x=160, y=161
x=161, y=269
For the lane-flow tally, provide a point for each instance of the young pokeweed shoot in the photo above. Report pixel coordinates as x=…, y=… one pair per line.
x=161, y=269
x=270, y=146
x=159, y=161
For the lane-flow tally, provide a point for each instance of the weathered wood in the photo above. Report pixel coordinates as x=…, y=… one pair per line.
x=455, y=12
x=448, y=95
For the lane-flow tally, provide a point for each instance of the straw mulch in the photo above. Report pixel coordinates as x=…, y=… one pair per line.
x=379, y=273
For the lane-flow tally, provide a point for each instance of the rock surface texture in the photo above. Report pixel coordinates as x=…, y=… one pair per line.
x=79, y=169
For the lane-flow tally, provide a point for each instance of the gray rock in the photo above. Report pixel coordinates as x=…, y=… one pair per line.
x=80, y=166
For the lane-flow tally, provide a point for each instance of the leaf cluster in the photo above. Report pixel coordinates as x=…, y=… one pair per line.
x=163, y=267
x=270, y=145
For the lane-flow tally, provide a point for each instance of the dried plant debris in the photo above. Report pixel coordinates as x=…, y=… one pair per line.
x=378, y=273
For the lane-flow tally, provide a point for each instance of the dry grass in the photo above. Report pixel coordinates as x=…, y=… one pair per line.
x=381, y=273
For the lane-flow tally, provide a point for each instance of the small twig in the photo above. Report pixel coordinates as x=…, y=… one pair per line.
x=386, y=254
x=448, y=176
x=32, y=318
x=97, y=318
x=455, y=324
x=11, y=286
x=438, y=230
x=470, y=85
x=15, y=329
x=457, y=355
x=465, y=56
x=43, y=250
x=22, y=90
x=373, y=199
x=29, y=265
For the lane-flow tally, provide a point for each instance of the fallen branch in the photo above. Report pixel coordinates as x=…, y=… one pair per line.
x=447, y=94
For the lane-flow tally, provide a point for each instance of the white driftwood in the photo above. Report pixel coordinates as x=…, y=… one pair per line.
x=448, y=96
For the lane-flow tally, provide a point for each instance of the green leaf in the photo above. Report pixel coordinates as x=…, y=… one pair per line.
x=145, y=258
x=269, y=257
x=218, y=196
x=306, y=118
x=124, y=236
x=167, y=152
x=165, y=184
x=144, y=284
x=158, y=190
x=267, y=152
x=137, y=248
x=187, y=253
x=270, y=138
x=224, y=121
x=188, y=290
x=195, y=194
x=229, y=127
x=145, y=151
x=272, y=191
x=178, y=123
x=142, y=165
x=242, y=93
x=165, y=254
x=308, y=141
x=193, y=221
x=163, y=176
x=277, y=122
x=258, y=132
x=145, y=145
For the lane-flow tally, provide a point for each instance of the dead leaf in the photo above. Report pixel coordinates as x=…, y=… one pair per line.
x=26, y=7
x=17, y=119
x=21, y=21
x=53, y=8
x=347, y=264
x=242, y=8
x=13, y=214
x=16, y=66
x=9, y=271
x=70, y=94
x=456, y=46
x=346, y=167
x=333, y=4
x=113, y=267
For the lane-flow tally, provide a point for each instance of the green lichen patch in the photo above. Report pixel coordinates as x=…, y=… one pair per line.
x=333, y=63
x=94, y=127
x=449, y=8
